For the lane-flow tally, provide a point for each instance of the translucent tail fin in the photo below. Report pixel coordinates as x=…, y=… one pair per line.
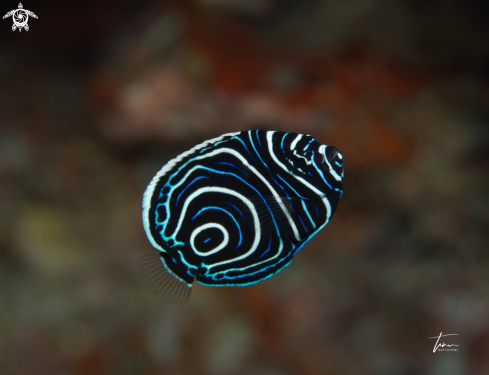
x=159, y=280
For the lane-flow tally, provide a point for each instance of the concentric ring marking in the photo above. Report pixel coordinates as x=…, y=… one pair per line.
x=198, y=230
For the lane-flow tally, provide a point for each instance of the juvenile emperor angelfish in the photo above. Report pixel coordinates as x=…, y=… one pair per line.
x=234, y=210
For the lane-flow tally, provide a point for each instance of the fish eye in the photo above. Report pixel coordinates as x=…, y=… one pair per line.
x=298, y=163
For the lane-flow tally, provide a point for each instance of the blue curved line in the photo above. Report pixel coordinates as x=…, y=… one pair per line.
x=173, y=273
x=265, y=164
x=158, y=223
x=251, y=275
x=304, y=225
x=287, y=194
x=246, y=183
x=237, y=209
x=307, y=213
x=232, y=165
x=282, y=143
x=341, y=191
x=269, y=245
x=225, y=276
x=239, y=139
x=307, y=239
x=254, y=148
x=312, y=140
x=186, y=187
x=277, y=261
x=207, y=240
x=338, y=164
x=320, y=172
x=182, y=259
x=161, y=192
x=281, y=187
x=258, y=137
x=223, y=210
x=295, y=192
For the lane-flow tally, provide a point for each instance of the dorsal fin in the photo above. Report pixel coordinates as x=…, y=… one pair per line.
x=159, y=280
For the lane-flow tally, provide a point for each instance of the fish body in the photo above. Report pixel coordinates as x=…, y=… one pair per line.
x=234, y=210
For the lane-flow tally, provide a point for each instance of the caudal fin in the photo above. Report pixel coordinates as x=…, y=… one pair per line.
x=160, y=281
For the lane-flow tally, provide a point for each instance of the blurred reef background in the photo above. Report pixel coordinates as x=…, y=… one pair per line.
x=97, y=96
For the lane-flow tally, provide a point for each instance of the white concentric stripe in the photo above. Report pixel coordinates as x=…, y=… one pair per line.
x=307, y=213
x=295, y=141
x=308, y=162
x=336, y=176
x=211, y=189
x=304, y=182
x=279, y=252
x=221, y=246
x=167, y=167
x=328, y=216
x=321, y=173
x=187, y=175
x=245, y=162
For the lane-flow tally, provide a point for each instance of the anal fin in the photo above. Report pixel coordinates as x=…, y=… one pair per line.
x=159, y=280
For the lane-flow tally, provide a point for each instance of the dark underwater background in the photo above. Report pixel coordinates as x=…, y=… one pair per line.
x=98, y=95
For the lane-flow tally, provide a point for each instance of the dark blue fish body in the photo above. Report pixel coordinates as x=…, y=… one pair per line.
x=234, y=210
